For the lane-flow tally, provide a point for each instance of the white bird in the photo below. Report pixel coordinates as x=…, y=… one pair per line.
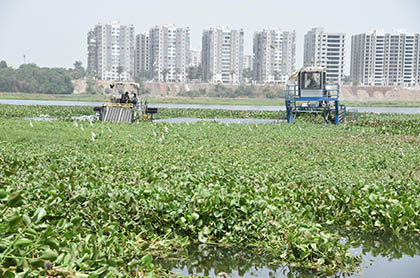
x=81, y=127
x=166, y=129
x=250, y=129
x=30, y=123
x=75, y=124
x=90, y=122
x=110, y=131
x=154, y=133
x=93, y=136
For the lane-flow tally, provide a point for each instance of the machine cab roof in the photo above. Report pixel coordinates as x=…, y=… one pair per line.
x=311, y=81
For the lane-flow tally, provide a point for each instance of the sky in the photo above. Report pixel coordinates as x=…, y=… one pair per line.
x=53, y=33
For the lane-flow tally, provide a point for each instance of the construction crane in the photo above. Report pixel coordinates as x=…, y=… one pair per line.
x=310, y=93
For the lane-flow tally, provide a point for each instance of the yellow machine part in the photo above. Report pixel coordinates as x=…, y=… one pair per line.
x=111, y=104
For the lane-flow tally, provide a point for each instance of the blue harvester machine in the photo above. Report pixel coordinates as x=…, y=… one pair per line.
x=310, y=93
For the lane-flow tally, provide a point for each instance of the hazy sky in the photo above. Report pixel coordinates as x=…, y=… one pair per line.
x=53, y=32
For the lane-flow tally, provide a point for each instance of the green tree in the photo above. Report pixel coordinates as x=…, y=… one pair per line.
x=232, y=75
x=247, y=74
x=29, y=78
x=165, y=74
x=194, y=73
x=78, y=72
x=141, y=76
x=120, y=70
x=90, y=86
x=3, y=64
x=276, y=76
x=177, y=73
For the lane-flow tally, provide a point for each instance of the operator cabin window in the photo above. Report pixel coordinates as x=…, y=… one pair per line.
x=312, y=81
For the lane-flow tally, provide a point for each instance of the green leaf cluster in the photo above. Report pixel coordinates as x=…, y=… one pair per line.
x=106, y=207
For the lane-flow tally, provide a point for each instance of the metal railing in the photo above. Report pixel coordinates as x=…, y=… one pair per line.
x=330, y=91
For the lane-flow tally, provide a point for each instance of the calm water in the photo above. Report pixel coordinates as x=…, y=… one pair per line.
x=382, y=257
x=408, y=110
x=222, y=120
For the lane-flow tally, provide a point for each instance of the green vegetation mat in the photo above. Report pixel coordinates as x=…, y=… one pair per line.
x=102, y=201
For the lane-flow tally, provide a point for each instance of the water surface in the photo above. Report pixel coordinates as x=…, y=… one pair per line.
x=385, y=256
x=399, y=110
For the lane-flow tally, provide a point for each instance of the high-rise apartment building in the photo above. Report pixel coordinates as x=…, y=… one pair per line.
x=169, y=52
x=142, y=56
x=274, y=55
x=222, y=55
x=194, y=60
x=379, y=58
x=248, y=61
x=111, y=51
x=325, y=50
x=92, y=59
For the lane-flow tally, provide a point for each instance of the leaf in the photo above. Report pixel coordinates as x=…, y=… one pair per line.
x=67, y=259
x=40, y=213
x=244, y=209
x=49, y=255
x=76, y=220
x=53, y=243
x=147, y=260
x=202, y=238
x=15, y=200
x=22, y=242
x=195, y=216
x=8, y=274
x=26, y=219
x=15, y=220
x=3, y=194
x=100, y=271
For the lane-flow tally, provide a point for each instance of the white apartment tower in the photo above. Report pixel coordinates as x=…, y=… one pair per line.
x=169, y=52
x=385, y=59
x=248, y=61
x=194, y=60
x=142, y=56
x=325, y=50
x=274, y=55
x=222, y=55
x=92, y=59
x=111, y=51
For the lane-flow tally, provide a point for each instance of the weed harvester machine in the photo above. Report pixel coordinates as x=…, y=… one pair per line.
x=124, y=108
x=310, y=93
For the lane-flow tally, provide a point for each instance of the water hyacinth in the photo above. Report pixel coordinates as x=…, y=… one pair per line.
x=106, y=209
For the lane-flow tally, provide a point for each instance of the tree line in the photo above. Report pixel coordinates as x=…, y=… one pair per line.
x=30, y=78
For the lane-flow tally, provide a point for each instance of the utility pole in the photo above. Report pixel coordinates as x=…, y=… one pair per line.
x=24, y=59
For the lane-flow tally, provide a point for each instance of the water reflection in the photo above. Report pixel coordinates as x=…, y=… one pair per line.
x=388, y=246
x=383, y=256
x=216, y=261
